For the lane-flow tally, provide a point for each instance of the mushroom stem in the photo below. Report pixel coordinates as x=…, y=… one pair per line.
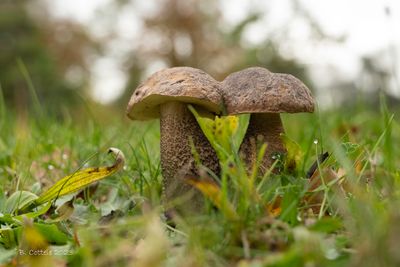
x=263, y=128
x=177, y=126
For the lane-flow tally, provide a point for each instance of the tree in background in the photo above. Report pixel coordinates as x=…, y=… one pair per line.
x=60, y=54
x=188, y=33
x=53, y=53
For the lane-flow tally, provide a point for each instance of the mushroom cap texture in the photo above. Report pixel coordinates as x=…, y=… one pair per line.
x=257, y=90
x=183, y=84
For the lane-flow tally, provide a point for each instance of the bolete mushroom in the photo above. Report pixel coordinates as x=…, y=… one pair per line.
x=265, y=95
x=165, y=95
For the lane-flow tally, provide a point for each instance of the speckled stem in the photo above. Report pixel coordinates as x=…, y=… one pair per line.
x=263, y=128
x=177, y=125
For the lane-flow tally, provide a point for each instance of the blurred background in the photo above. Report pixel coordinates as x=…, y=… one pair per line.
x=68, y=55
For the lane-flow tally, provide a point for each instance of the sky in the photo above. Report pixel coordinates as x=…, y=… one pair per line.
x=368, y=27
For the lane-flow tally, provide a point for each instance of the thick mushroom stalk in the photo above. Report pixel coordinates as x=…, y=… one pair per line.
x=165, y=95
x=178, y=126
x=263, y=128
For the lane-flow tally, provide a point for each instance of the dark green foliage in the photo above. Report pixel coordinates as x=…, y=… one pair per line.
x=23, y=49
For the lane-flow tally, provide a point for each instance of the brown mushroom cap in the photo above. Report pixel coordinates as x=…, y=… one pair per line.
x=257, y=90
x=182, y=84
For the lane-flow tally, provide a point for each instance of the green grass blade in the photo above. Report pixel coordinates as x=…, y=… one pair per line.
x=35, y=99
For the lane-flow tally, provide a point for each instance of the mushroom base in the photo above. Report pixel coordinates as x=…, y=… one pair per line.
x=177, y=127
x=263, y=128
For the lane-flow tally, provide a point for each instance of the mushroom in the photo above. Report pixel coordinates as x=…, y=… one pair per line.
x=165, y=95
x=264, y=94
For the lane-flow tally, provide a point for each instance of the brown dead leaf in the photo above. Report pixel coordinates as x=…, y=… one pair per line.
x=274, y=208
x=335, y=180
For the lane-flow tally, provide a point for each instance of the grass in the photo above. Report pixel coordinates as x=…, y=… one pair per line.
x=346, y=214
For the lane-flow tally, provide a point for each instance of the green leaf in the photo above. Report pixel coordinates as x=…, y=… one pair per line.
x=7, y=219
x=34, y=214
x=9, y=237
x=51, y=233
x=6, y=255
x=290, y=200
x=206, y=125
x=327, y=225
x=18, y=200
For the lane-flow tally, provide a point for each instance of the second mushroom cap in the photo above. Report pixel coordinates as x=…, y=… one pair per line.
x=264, y=95
x=257, y=90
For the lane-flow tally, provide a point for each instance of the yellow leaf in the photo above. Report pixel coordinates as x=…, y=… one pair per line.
x=82, y=178
x=220, y=131
x=294, y=153
x=225, y=128
x=213, y=192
